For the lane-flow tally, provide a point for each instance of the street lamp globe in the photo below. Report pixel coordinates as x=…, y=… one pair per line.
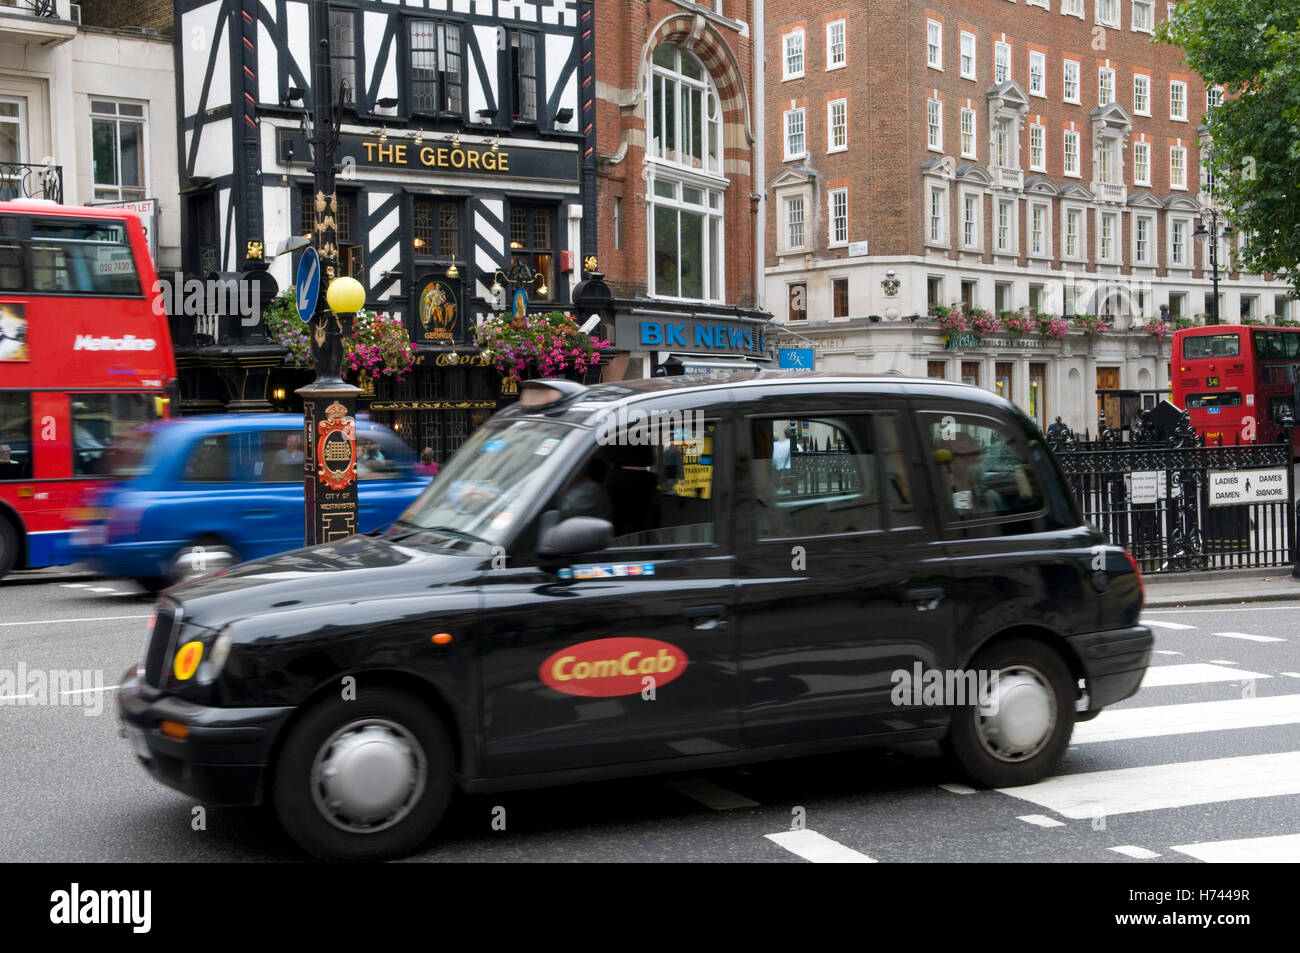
x=345, y=295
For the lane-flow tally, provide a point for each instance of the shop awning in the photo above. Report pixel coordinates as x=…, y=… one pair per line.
x=712, y=363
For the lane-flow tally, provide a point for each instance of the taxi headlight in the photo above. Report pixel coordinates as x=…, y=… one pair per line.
x=217, y=656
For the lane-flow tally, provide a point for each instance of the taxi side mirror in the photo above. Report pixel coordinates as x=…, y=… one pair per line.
x=578, y=534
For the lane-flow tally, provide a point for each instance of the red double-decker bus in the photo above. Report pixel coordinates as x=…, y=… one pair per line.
x=1237, y=382
x=85, y=355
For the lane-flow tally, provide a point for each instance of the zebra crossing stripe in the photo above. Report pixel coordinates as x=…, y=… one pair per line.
x=1156, y=787
x=1165, y=625
x=1248, y=638
x=1194, y=673
x=1279, y=849
x=818, y=848
x=1137, y=853
x=1123, y=723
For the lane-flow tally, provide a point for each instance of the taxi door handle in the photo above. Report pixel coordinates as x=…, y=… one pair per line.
x=926, y=599
x=707, y=617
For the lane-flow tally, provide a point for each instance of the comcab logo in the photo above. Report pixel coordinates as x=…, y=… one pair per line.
x=604, y=668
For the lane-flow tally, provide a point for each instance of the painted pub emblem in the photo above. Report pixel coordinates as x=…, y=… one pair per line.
x=336, y=449
x=438, y=306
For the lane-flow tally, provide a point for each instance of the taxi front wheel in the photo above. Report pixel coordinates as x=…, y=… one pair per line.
x=367, y=779
x=1018, y=732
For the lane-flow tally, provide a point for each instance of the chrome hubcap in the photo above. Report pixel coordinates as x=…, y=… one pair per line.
x=368, y=775
x=1020, y=717
x=198, y=560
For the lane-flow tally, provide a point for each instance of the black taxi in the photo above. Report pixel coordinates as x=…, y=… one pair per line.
x=653, y=576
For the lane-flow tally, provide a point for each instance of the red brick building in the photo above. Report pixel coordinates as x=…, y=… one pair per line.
x=1038, y=155
x=679, y=158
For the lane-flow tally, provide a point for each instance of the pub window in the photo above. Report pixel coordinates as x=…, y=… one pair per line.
x=343, y=52
x=435, y=67
x=203, y=245
x=531, y=245
x=523, y=75
x=436, y=228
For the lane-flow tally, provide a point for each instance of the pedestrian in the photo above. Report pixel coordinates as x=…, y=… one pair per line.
x=1058, y=430
x=427, y=465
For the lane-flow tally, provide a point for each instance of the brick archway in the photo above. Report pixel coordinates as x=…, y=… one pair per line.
x=694, y=33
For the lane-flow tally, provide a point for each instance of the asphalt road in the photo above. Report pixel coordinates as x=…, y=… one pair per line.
x=1166, y=784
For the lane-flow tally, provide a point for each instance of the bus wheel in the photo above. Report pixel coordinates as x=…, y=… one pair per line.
x=200, y=558
x=8, y=546
x=367, y=779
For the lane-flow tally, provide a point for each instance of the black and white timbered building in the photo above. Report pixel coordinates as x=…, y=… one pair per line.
x=463, y=142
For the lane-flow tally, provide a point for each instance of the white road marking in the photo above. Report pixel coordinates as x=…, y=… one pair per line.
x=1041, y=820
x=73, y=585
x=1167, y=652
x=955, y=788
x=1138, y=853
x=1222, y=661
x=100, y=618
x=1165, y=625
x=818, y=848
x=1237, y=608
x=1248, y=638
x=1155, y=787
x=100, y=589
x=710, y=794
x=1121, y=723
x=1280, y=849
x=1290, y=674
x=1194, y=673
x=75, y=691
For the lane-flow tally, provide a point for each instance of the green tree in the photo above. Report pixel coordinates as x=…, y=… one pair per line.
x=1251, y=48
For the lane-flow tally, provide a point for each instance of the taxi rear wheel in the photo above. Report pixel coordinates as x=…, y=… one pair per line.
x=364, y=780
x=1019, y=734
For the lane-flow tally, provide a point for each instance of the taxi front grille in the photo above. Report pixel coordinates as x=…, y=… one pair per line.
x=160, y=643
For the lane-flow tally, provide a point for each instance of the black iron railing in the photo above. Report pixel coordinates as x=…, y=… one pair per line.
x=25, y=180
x=1167, y=498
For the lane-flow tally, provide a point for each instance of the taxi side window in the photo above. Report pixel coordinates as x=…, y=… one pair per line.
x=816, y=477
x=656, y=487
x=209, y=460
x=282, y=456
x=984, y=470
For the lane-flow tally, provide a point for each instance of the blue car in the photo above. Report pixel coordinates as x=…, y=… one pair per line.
x=199, y=494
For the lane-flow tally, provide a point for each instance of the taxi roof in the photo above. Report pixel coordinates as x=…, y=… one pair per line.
x=580, y=403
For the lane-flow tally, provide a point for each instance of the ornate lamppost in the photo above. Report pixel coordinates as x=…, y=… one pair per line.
x=329, y=403
x=1212, y=215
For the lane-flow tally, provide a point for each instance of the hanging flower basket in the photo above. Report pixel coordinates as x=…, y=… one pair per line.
x=1052, y=326
x=378, y=346
x=1017, y=324
x=1091, y=325
x=950, y=320
x=1157, y=329
x=538, y=345
x=983, y=323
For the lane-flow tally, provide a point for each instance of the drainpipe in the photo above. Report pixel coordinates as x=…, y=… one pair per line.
x=760, y=158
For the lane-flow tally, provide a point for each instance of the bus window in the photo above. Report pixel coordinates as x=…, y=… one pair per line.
x=82, y=258
x=15, y=436
x=1211, y=345
x=98, y=422
x=11, y=256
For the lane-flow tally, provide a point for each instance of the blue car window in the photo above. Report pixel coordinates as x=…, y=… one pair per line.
x=282, y=456
x=209, y=460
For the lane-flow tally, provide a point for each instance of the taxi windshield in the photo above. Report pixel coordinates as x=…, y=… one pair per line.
x=483, y=489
